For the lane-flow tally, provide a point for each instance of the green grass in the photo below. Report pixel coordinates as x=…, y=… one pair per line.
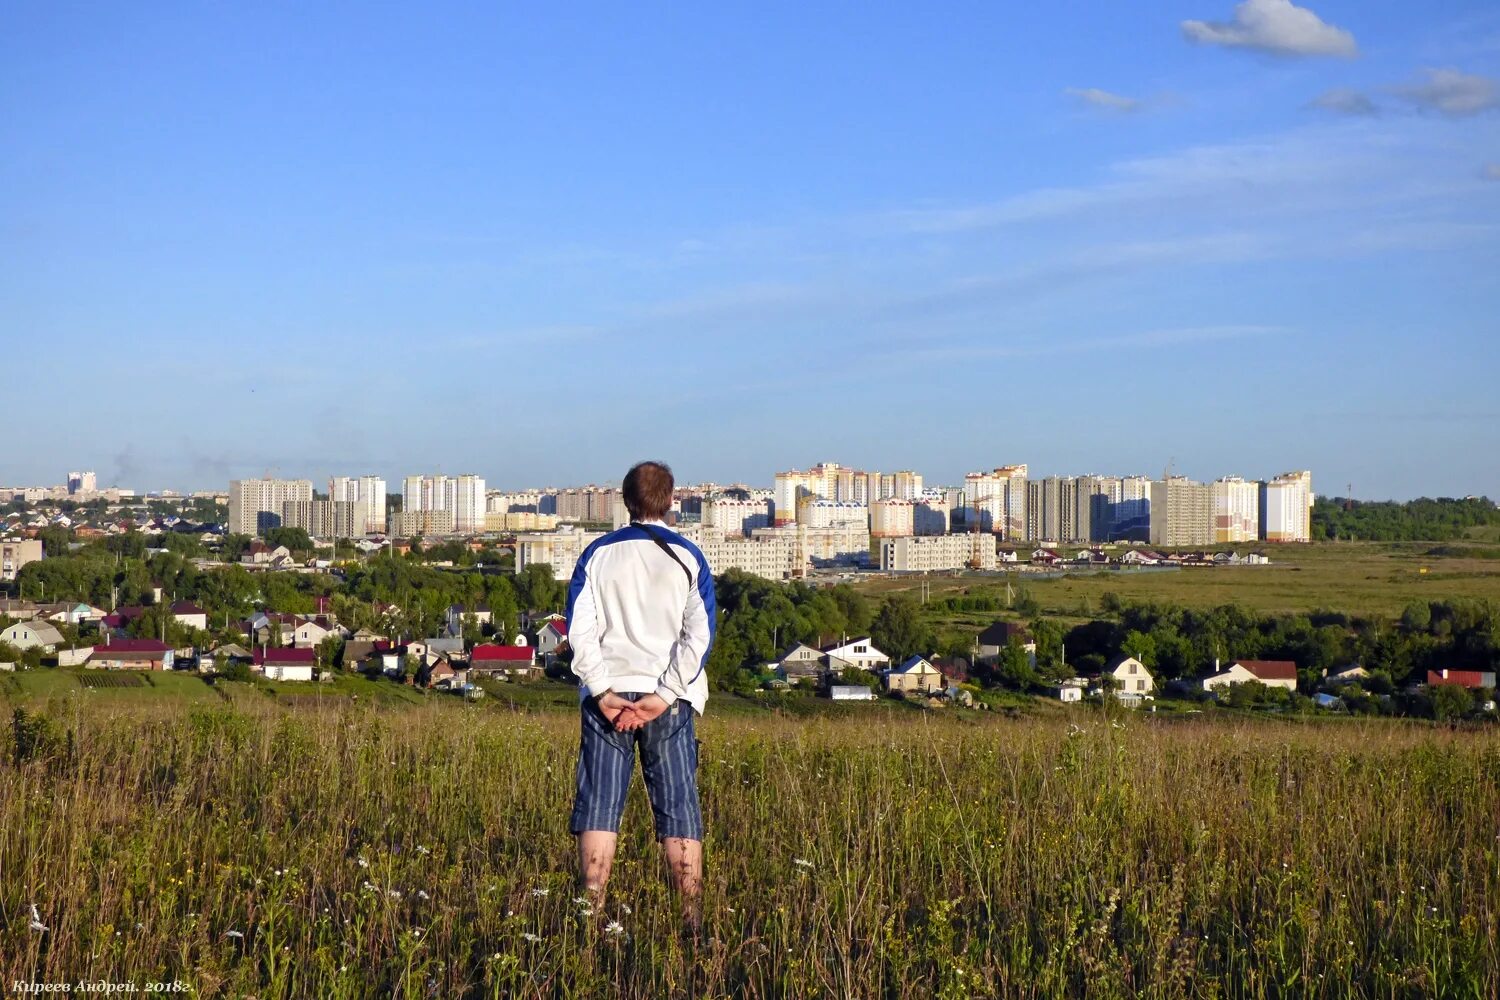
x=1361, y=578
x=349, y=851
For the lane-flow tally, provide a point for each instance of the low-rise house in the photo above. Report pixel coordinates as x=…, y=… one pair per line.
x=1142, y=557
x=993, y=640
x=445, y=675
x=916, y=675
x=69, y=612
x=850, y=692
x=1067, y=693
x=458, y=614
x=19, y=610
x=25, y=635
x=132, y=654
x=1347, y=674
x=860, y=653
x=512, y=661
x=1271, y=673
x=1462, y=678
x=445, y=648
x=286, y=663
x=1128, y=676
x=552, y=636
x=190, y=615
x=954, y=668
x=120, y=618
x=799, y=663
x=1045, y=557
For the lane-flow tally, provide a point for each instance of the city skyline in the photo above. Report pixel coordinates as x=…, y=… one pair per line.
x=1242, y=236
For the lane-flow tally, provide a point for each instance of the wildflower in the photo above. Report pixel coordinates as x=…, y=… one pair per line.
x=614, y=928
x=369, y=887
x=233, y=934
x=533, y=938
x=278, y=873
x=422, y=895
x=627, y=909
x=540, y=892
x=363, y=863
x=581, y=900
x=802, y=863
x=422, y=850
x=36, y=920
x=394, y=894
x=139, y=926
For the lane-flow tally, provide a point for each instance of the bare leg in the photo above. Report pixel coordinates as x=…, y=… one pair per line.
x=596, y=855
x=685, y=863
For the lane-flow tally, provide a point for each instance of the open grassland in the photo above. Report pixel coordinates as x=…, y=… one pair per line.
x=251, y=849
x=1359, y=578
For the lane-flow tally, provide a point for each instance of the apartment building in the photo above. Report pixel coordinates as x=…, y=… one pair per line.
x=427, y=523
x=767, y=554
x=559, y=549
x=1182, y=513
x=938, y=553
x=1236, y=510
x=732, y=516
x=368, y=492
x=17, y=552
x=325, y=518
x=1286, y=508
x=996, y=501
x=255, y=504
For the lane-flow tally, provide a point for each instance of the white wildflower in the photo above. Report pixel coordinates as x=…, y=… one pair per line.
x=540, y=892
x=802, y=863
x=363, y=863
x=422, y=895
x=394, y=894
x=533, y=938
x=36, y=920
x=627, y=909
x=422, y=850
x=233, y=934
x=614, y=928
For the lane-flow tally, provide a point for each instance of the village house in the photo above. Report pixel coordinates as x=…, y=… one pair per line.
x=1347, y=674
x=800, y=662
x=458, y=614
x=860, y=653
x=1462, y=678
x=552, y=636
x=917, y=675
x=1128, y=676
x=993, y=640
x=190, y=615
x=1271, y=673
x=515, y=662
x=285, y=663
x=25, y=635
x=131, y=654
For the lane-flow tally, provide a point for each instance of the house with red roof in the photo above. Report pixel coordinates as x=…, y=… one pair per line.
x=1271, y=673
x=552, y=636
x=511, y=661
x=131, y=654
x=1470, y=679
x=286, y=663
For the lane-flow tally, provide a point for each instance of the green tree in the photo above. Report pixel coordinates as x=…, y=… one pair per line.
x=1449, y=701
x=899, y=631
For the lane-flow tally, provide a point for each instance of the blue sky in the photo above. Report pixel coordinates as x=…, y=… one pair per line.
x=538, y=244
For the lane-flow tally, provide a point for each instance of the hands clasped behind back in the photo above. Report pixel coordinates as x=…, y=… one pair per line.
x=628, y=716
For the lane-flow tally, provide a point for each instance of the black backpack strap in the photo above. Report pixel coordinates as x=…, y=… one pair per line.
x=662, y=544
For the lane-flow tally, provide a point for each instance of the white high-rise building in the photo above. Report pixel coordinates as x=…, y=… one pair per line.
x=937, y=553
x=82, y=482
x=368, y=492
x=1182, y=512
x=1236, y=510
x=468, y=503
x=255, y=505
x=1286, y=508
x=731, y=516
x=996, y=501
x=325, y=518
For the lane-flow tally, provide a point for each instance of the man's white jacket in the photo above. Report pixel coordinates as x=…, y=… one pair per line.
x=637, y=622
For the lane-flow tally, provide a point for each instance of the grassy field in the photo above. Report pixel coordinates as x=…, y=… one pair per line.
x=246, y=847
x=1354, y=577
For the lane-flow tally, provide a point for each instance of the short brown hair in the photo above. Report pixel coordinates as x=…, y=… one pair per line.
x=648, y=491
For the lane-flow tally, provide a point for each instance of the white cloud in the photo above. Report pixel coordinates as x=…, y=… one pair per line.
x=1103, y=100
x=1451, y=92
x=1276, y=26
x=1344, y=101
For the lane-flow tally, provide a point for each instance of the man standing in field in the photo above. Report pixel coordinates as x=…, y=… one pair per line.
x=640, y=622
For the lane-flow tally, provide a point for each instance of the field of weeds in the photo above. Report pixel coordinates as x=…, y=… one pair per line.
x=355, y=852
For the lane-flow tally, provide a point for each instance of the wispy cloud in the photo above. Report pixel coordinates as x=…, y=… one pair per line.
x=1344, y=101
x=1492, y=171
x=1103, y=100
x=1452, y=92
x=1024, y=347
x=1279, y=27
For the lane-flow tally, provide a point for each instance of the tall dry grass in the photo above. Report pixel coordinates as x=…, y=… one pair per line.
x=357, y=853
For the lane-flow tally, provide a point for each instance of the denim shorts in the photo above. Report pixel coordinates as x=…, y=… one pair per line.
x=669, y=760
